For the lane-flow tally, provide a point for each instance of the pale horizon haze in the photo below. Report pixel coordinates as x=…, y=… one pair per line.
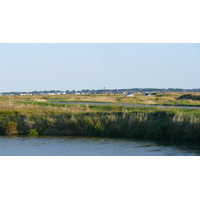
x=75, y=66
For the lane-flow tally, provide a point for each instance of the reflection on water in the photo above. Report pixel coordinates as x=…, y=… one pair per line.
x=91, y=146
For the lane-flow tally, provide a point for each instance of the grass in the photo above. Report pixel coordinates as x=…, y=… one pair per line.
x=157, y=99
x=35, y=117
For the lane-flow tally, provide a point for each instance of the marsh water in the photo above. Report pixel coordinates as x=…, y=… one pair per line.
x=91, y=146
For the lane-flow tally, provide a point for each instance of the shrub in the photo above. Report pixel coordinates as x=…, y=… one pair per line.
x=10, y=128
x=50, y=131
x=189, y=96
x=33, y=132
x=66, y=132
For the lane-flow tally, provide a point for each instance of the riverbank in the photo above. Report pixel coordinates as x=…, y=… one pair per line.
x=104, y=121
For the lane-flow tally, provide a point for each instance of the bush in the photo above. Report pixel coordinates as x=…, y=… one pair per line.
x=10, y=128
x=50, y=131
x=33, y=132
x=189, y=96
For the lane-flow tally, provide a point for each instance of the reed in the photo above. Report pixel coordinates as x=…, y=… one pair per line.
x=109, y=121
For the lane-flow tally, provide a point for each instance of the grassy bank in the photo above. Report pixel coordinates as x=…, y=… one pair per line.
x=33, y=118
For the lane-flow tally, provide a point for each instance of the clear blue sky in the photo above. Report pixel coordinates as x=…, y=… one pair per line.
x=28, y=67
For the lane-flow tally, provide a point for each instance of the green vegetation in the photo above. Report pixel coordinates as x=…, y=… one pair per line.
x=189, y=96
x=138, y=98
x=33, y=132
x=35, y=116
x=40, y=118
x=10, y=128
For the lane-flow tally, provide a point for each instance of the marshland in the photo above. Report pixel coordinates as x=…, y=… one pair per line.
x=44, y=115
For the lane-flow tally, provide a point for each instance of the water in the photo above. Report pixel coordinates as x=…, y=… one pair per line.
x=91, y=146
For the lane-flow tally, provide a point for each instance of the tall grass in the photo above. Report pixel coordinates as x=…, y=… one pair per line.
x=109, y=121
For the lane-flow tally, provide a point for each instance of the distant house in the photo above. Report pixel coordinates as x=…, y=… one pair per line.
x=129, y=95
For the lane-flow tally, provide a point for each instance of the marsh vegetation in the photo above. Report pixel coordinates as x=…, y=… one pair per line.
x=35, y=116
x=138, y=98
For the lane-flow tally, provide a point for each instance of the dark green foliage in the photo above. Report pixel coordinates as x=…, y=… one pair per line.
x=66, y=132
x=50, y=131
x=189, y=96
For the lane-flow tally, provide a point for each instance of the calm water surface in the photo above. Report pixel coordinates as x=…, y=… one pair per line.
x=91, y=146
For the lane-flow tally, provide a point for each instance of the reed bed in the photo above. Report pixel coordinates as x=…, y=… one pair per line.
x=33, y=118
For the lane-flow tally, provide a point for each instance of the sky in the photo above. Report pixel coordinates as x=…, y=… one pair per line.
x=76, y=66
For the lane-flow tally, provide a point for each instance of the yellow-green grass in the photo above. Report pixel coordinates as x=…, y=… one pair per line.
x=157, y=99
x=34, y=118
